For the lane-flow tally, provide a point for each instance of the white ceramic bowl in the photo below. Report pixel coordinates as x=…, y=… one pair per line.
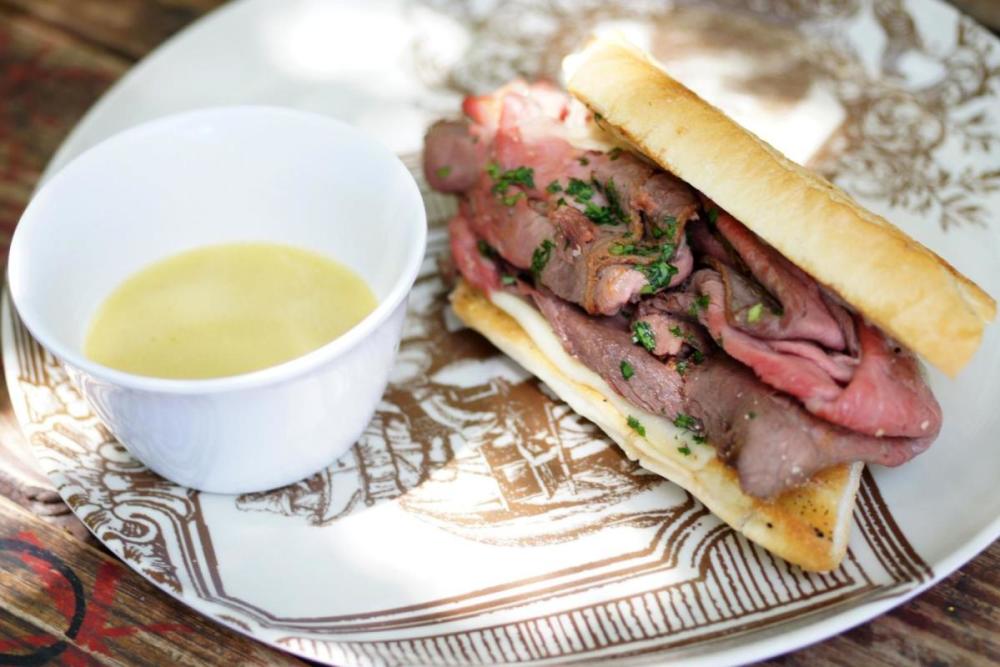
x=216, y=176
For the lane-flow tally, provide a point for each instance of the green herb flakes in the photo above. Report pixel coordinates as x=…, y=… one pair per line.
x=541, y=256
x=636, y=426
x=443, y=172
x=627, y=370
x=523, y=176
x=642, y=334
x=686, y=422
x=685, y=450
x=510, y=200
x=699, y=304
x=659, y=274
x=579, y=190
x=485, y=249
x=553, y=187
x=753, y=315
x=669, y=228
x=583, y=193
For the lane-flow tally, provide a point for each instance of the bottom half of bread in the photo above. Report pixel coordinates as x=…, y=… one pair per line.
x=808, y=526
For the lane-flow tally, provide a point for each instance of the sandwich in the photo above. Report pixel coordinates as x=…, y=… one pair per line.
x=731, y=320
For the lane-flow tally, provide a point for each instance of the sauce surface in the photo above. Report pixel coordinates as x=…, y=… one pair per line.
x=224, y=310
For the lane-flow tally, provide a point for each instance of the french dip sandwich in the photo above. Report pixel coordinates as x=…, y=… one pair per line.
x=733, y=321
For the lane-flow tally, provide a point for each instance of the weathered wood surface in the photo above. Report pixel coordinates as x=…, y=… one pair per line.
x=65, y=602
x=56, y=58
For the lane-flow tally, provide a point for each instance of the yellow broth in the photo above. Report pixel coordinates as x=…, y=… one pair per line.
x=225, y=310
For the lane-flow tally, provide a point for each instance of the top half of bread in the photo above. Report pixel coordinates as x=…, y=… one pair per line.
x=894, y=281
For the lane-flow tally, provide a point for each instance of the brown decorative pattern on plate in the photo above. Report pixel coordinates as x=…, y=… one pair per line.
x=915, y=127
x=466, y=442
x=551, y=544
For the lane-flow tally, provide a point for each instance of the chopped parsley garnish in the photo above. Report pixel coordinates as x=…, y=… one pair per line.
x=686, y=422
x=508, y=280
x=622, y=249
x=669, y=228
x=676, y=331
x=612, y=214
x=697, y=357
x=713, y=215
x=579, y=190
x=751, y=415
x=524, y=176
x=485, y=249
x=583, y=161
x=615, y=153
x=583, y=193
x=636, y=426
x=753, y=315
x=659, y=274
x=627, y=370
x=510, y=200
x=642, y=334
x=614, y=202
x=633, y=249
x=541, y=256
x=700, y=439
x=553, y=187
x=599, y=215
x=443, y=172
x=561, y=202
x=682, y=367
x=700, y=303
x=685, y=450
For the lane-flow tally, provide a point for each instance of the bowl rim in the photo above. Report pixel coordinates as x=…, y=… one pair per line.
x=264, y=377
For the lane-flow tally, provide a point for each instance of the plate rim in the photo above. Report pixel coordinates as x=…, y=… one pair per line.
x=852, y=615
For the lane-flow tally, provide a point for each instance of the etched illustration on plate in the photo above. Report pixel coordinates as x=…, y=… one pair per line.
x=464, y=441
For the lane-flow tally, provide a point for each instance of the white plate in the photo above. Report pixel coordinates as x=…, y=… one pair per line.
x=478, y=520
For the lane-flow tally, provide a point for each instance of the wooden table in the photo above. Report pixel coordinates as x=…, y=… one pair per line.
x=64, y=600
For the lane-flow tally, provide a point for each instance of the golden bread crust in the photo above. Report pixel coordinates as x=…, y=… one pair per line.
x=894, y=281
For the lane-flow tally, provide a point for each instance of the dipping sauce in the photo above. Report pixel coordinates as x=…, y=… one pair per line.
x=225, y=310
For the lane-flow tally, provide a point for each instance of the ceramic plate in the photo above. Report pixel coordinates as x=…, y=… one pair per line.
x=479, y=520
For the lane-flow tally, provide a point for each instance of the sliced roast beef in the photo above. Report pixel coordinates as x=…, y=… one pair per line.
x=471, y=261
x=453, y=160
x=615, y=224
x=774, y=443
x=675, y=332
x=840, y=367
x=886, y=396
x=801, y=312
x=604, y=344
x=614, y=252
